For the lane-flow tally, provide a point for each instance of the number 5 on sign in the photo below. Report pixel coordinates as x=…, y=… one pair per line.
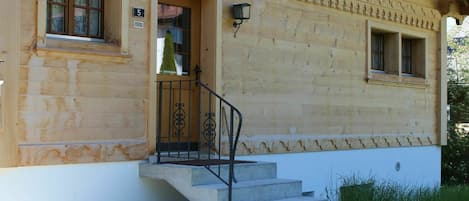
x=139, y=12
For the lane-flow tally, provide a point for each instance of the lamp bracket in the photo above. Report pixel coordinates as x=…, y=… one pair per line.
x=236, y=24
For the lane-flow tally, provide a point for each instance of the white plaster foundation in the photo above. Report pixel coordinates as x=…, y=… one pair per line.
x=121, y=182
x=84, y=182
x=419, y=166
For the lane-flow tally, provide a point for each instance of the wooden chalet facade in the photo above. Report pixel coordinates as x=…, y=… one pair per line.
x=81, y=82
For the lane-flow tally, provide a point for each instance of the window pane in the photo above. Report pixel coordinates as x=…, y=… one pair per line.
x=175, y=22
x=377, y=46
x=80, y=19
x=48, y=19
x=407, y=56
x=59, y=1
x=96, y=3
x=58, y=19
x=81, y=2
x=95, y=20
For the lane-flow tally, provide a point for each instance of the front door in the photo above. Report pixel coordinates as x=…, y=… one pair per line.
x=178, y=46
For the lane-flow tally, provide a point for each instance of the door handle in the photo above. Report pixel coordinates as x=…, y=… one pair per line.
x=197, y=71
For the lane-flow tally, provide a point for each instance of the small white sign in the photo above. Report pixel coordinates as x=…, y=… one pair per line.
x=139, y=24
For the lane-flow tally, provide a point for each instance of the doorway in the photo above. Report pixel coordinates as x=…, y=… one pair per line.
x=177, y=74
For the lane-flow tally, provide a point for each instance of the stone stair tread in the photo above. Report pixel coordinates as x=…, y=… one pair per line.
x=303, y=198
x=248, y=184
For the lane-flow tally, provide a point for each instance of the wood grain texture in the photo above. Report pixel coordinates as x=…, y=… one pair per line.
x=297, y=70
x=78, y=101
x=80, y=153
x=302, y=67
x=9, y=51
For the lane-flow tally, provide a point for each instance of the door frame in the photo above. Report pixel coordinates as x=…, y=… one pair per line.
x=210, y=58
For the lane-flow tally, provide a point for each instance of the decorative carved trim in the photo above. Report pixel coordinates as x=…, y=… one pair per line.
x=306, y=143
x=391, y=10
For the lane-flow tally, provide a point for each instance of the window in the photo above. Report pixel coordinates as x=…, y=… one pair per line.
x=174, y=26
x=86, y=25
x=396, y=54
x=83, y=18
x=413, y=55
x=383, y=51
x=407, y=56
x=377, y=45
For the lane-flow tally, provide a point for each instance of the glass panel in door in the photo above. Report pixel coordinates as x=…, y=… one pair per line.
x=174, y=40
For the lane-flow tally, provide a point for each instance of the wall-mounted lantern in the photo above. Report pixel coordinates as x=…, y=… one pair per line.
x=241, y=12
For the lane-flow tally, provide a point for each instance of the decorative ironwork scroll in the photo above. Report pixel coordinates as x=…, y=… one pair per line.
x=210, y=126
x=179, y=119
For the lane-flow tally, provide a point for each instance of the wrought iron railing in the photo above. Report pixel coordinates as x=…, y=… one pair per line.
x=197, y=126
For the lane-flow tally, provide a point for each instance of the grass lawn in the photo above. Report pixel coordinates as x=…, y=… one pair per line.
x=392, y=192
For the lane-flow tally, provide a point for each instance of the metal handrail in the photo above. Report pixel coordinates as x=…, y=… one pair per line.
x=171, y=93
x=233, y=138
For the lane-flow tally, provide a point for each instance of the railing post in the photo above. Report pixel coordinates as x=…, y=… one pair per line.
x=209, y=126
x=219, y=132
x=199, y=119
x=160, y=105
x=178, y=117
x=189, y=134
x=231, y=156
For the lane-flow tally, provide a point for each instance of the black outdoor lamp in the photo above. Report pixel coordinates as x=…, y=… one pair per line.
x=241, y=12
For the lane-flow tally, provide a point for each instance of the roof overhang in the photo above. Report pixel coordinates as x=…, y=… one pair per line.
x=455, y=8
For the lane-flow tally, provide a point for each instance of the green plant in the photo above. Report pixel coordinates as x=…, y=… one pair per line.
x=358, y=192
x=369, y=190
x=168, y=64
x=455, y=156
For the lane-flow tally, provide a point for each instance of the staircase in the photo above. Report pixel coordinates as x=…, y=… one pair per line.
x=197, y=155
x=255, y=182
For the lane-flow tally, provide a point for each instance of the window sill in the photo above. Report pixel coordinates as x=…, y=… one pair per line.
x=397, y=81
x=82, y=50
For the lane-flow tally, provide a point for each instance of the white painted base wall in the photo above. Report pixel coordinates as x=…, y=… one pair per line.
x=84, y=182
x=420, y=166
x=121, y=182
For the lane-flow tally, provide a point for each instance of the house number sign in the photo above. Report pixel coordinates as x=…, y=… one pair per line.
x=139, y=12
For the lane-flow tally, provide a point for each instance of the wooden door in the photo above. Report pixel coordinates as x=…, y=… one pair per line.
x=178, y=46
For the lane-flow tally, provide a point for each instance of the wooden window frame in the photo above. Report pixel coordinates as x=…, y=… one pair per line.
x=50, y=4
x=69, y=13
x=394, y=74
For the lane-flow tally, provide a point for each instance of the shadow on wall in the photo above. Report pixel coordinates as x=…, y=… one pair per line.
x=161, y=190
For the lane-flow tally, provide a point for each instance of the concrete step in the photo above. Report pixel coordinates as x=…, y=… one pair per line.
x=242, y=172
x=256, y=181
x=198, y=175
x=253, y=190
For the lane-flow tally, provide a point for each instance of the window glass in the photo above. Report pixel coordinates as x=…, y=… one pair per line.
x=95, y=23
x=377, y=44
x=58, y=18
x=407, y=56
x=80, y=21
x=81, y=2
x=96, y=3
x=76, y=17
x=173, y=25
